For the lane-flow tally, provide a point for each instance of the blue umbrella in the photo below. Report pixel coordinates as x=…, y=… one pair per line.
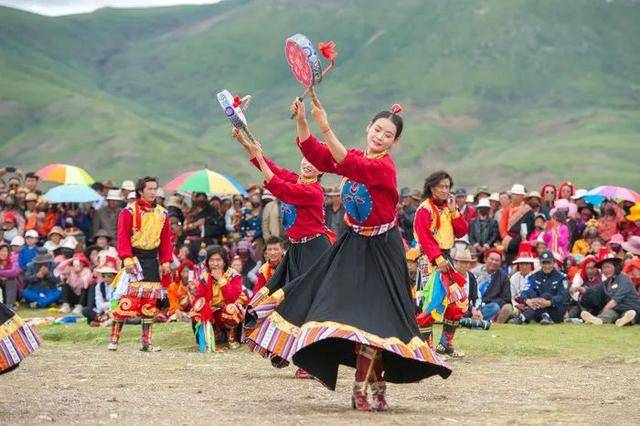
x=71, y=194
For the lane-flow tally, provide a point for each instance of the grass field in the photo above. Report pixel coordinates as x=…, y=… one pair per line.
x=564, y=374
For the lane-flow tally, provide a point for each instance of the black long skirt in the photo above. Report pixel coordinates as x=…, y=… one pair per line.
x=17, y=340
x=357, y=293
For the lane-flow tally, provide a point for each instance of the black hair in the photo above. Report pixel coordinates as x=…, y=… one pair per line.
x=434, y=179
x=142, y=182
x=395, y=119
x=274, y=240
x=217, y=250
x=97, y=186
x=31, y=175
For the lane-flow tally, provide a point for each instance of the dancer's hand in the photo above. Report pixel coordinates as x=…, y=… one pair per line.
x=298, y=109
x=444, y=267
x=255, y=151
x=319, y=115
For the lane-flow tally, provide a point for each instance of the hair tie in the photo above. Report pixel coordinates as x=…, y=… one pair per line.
x=396, y=108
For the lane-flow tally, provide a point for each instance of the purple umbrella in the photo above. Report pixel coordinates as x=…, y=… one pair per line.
x=618, y=193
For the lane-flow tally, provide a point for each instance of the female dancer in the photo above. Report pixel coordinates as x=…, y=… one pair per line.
x=354, y=307
x=302, y=211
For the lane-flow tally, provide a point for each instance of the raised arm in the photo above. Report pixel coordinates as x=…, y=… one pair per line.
x=338, y=151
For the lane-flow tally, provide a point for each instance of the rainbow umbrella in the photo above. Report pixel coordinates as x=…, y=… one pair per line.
x=206, y=181
x=65, y=174
x=617, y=193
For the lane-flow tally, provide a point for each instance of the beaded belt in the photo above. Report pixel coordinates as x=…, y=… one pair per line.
x=370, y=231
x=304, y=239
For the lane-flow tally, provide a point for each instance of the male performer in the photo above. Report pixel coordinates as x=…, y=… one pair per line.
x=144, y=244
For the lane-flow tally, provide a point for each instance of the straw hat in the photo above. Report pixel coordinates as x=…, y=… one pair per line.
x=463, y=254
x=114, y=195
x=128, y=185
x=518, y=189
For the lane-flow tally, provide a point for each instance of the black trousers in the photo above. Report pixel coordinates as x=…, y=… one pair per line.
x=68, y=296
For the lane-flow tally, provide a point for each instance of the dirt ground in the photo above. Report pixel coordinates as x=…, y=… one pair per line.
x=65, y=383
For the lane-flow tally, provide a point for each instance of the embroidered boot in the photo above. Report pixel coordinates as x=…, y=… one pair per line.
x=116, y=328
x=364, y=364
x=378, y=386
x=445, y=347
x=426, y=332
x=147, y=325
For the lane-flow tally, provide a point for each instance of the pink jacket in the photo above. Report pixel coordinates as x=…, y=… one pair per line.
x=13, y=272
x=77, y=281
x=557, y=239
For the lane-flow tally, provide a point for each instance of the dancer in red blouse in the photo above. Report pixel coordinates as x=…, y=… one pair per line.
x=354, y=307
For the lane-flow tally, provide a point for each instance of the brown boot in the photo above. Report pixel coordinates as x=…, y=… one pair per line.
x=146, y=346
x=116, y=328
x=378, y=386
x=359, y=400
x=426, y=332
x=365, y=355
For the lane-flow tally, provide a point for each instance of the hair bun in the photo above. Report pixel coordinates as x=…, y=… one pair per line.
x=396, y=108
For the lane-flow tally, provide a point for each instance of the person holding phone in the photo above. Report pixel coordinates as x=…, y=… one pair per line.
x=438, y=223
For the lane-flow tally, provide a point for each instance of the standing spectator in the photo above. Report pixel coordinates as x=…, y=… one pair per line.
x=106, y=218
x=30, y=200
x=127, y=188
x=549, y=194
x=29, y=251
x=483, y=230
x=545, y=294
x=494, y=288
x=41, y=286
x=408, y=207
x=516, y=222
x=251, y=220
x=9, y=275
x=31, y=182
x=556, y=233
x=271, y=223
x=622, y=302
x=611, y=218
x=467, y=211
x=232, y=216
x=77, y=276
x=535, y=201
x=494, y=200
x=334, y=213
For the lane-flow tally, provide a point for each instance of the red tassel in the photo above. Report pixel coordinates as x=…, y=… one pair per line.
x=396, y=108
x=237, y=101
x=327, y=50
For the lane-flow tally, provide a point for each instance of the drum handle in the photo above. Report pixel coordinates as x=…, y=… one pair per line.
x=310, y=90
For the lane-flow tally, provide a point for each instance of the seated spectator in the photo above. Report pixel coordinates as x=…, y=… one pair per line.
x=77, y=276
x=220, y=299
x=10, y=227
x=538, y=228
x=273, y=254
x=545, y=294
x=596, y=246
x=102, y=239
x=464, y=260
x=494, y=287
x=29, y=250
x=588, y=277
x=619, y=301
x=9, y=275
x=412, y=256
x=66, y=249
x=16, y=246
x=40, y=284
x=523, y=265
x=483, y=230
x=556, y=233
x=582, y=246
x=632, y=270
x=98, y=309
x=182, y=291
x=54, y=239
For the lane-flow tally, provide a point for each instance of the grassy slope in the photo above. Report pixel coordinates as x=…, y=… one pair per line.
x=494, y=91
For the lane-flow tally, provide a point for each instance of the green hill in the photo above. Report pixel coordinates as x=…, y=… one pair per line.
x=494, y=91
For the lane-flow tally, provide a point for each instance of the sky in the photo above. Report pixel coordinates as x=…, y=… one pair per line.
x=70, y=7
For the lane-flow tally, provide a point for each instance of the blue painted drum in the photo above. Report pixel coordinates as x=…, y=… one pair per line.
x=289, y=215
x=357, y=201
x=234, y=114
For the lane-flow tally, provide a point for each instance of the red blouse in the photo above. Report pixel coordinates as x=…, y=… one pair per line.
x=302, y=210
x=369, y=192
x=125, y=232
x=422, y=226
